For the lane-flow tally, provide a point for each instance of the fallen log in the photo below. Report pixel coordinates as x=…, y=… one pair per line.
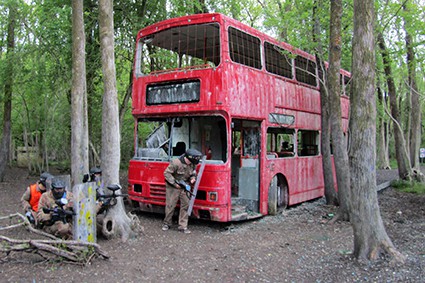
x=69, y=250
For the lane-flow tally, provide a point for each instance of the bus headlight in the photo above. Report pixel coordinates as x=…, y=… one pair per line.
x=212, y=196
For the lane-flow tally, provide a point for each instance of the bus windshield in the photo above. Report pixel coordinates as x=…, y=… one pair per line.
x=182, y=47
x=164, y=138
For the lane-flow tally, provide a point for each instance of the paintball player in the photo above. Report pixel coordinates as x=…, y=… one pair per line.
x=95, y=175
x=180, y=169
x=32, y=195
x=55, y=210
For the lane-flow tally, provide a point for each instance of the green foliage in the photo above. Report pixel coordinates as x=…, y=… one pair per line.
x=292, y=22
x=43, y=65
x=409, y=187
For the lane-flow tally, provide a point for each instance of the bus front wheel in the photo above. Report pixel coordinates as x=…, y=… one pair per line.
x=278, y=195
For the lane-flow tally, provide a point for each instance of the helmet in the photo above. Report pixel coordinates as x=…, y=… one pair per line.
x=58, y=188
x=193, y=155
x=95, y=173
x=44, y=178
x=95, y=170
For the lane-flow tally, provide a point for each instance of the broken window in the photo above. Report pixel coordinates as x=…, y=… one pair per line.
x=308, y=143
x=183, y=47
x=166, y=138
x=280, y=142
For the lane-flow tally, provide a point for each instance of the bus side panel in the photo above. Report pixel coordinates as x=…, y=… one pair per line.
x=304, y=176
x=246, y=91
x=309, y=179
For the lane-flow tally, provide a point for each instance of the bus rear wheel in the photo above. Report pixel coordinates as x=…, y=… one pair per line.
x=278, y=196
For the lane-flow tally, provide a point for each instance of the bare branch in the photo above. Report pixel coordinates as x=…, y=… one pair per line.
x=73, y=251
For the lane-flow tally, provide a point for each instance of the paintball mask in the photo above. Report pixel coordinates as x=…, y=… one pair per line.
x=45, y=179
x=193, y=155
x=95, y=174
x=58, y=189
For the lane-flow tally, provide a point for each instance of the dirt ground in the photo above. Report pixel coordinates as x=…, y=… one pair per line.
x=297, y=246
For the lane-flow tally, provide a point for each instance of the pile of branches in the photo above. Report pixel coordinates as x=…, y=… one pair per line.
x=50, y=249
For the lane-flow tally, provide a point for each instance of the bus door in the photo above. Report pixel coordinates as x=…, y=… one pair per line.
x=246, y=166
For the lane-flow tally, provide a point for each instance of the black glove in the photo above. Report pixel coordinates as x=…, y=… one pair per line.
x=56, y=215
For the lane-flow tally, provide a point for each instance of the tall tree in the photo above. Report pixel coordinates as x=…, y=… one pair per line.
x=8, y=89
x=415, y=117
x=325, y=137
x=79, y=135
x=383, y=160
x=370, y=237
x=403, y=161
x=116, y=221
x=339, y=145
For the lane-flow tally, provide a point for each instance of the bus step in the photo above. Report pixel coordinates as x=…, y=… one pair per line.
x=238, y=208
x=239, y=213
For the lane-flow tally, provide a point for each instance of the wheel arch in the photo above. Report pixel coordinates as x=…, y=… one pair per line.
x=278, y=195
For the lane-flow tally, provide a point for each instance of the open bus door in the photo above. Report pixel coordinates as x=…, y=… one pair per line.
x=246, y=140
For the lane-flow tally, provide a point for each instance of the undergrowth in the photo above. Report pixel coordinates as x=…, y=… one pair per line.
x=409, y=187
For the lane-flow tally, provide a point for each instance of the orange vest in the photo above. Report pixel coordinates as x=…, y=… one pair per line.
x=34, y=197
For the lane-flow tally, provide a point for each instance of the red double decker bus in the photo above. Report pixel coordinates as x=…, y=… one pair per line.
x=251, y=104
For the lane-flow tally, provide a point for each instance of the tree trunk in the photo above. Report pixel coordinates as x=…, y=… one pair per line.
x=370, y=237
x=8, y=89
x=92, y=81
x=121, y=223
x=403, y=160
x=328, y=177
x=383, y=161
x=415, y=118
x=334, y=86
x=79, y=134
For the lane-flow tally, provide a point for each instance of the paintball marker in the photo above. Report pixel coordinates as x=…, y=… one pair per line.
x=109, y=200
x=185, y=186
x=58, y=212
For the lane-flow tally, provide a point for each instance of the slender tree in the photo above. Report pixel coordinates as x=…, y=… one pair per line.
x=79, y=135
x=8, y=89
x=415, y=114
x=403, y=161
x=370, y=237
x=116, y=221
x=334, y=86
x=383, y=160
x=325, y=137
